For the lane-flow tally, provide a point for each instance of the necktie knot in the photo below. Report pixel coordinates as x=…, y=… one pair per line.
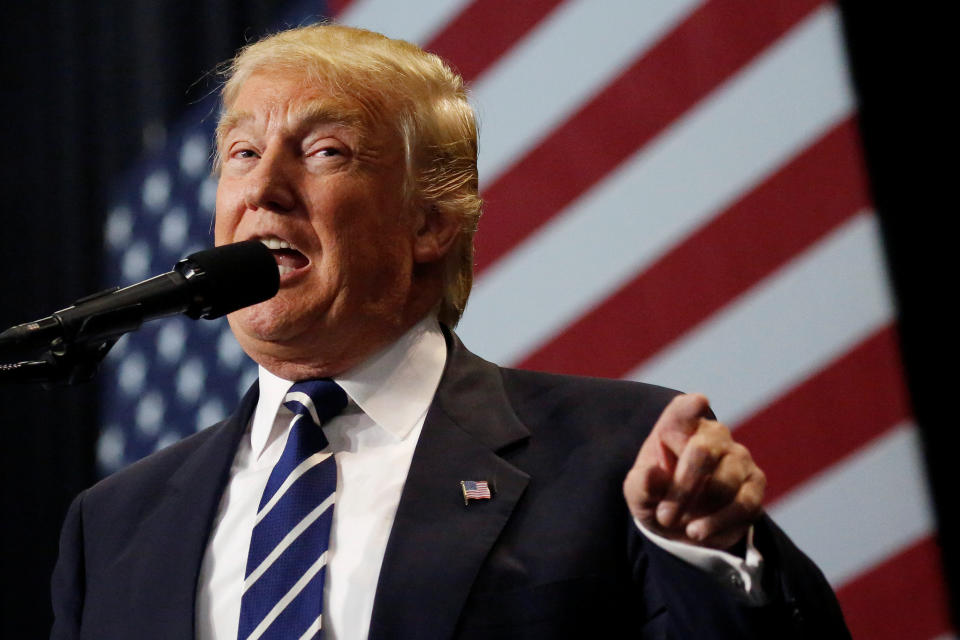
x=318, y=400
x=314, y=402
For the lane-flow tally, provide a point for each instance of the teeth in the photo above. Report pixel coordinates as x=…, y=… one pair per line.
x=275, y=243
x=283, y=269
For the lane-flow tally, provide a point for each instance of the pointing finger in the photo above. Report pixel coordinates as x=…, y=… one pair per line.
x=680, y=419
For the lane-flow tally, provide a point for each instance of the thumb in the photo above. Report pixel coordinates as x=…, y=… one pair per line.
x=644, y=487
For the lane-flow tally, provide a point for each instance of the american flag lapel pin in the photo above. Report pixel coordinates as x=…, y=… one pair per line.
x=475, y=490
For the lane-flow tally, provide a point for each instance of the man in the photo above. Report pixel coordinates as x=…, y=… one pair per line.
x=471, y=501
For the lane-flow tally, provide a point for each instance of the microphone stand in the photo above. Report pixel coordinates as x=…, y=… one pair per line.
x=63, y=364
x=71, y=360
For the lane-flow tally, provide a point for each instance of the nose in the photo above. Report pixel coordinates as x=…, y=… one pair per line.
x=271, y=186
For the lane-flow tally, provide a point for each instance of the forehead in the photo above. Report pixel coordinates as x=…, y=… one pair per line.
x=289, y=100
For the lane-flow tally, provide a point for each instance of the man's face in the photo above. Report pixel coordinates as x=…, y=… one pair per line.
x=300, y=174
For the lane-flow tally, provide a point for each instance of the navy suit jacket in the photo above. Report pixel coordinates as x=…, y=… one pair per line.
x=553, y=554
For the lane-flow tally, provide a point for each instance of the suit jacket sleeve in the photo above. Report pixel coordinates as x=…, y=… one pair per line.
x=67, y=585
x=800, y=604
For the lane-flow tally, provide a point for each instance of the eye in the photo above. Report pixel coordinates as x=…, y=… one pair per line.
x=326, y=150
x=324, y=145
x=244, y=153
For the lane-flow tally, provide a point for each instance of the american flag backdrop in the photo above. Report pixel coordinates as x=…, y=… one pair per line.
x=675, y=193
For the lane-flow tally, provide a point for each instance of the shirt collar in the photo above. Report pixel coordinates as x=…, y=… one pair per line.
x=394, y=387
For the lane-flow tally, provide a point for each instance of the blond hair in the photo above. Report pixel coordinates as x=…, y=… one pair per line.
x=397, y=84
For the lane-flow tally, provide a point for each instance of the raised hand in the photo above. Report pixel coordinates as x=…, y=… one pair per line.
x=691, y=481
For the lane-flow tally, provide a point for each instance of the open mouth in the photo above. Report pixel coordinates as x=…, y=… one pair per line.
x=288, y=258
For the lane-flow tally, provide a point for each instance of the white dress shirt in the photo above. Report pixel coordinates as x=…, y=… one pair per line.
x=372, y=443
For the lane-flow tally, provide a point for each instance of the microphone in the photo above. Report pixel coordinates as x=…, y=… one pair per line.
x=206, y=284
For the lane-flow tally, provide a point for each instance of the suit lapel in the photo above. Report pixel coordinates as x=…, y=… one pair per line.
x=438, y=543
x=180, y=525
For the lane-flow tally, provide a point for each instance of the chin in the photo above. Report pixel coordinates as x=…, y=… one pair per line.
x=268, y=321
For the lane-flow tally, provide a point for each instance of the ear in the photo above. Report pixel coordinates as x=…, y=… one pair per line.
x=435, y=234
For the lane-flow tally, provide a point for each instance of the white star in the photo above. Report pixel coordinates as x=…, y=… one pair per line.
x=171, y=339
x=228, y=350
x=194, y=155
x=167, y=439
x=211, y=412
x=156, y=190
x=110, y=448
x=132, y=372
x=190, y=380
x=150, y=413
x=136, y=262
x=208, y=194
x=174, y=228
x=119, y=227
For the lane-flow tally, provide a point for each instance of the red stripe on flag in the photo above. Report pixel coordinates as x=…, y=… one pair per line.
x=784, y=214
x=705, y=49
x=904, y=597
x=829, y=415
x=486, y=30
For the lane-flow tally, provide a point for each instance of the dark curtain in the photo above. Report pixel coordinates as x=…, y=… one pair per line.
x=903, y=70
x=88, y=87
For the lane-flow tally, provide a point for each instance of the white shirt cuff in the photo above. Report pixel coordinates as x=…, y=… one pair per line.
x=742, y=574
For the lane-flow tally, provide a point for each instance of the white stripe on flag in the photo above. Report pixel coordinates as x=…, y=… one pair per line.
x=785, y=328
x=718, y=152
x=300, y=469
x=278, y=608
x=399, y=20
x=862, y=510
x=521, y=99
x=287, y=540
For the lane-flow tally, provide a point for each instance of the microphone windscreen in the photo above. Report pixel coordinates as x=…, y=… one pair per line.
x=232, y=276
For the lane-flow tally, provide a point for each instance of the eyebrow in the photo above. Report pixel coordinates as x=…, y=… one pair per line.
x=329, y=112
x=231, y=120
x=312, y=113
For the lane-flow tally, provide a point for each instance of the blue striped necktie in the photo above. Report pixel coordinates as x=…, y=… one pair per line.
x=286, y=565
